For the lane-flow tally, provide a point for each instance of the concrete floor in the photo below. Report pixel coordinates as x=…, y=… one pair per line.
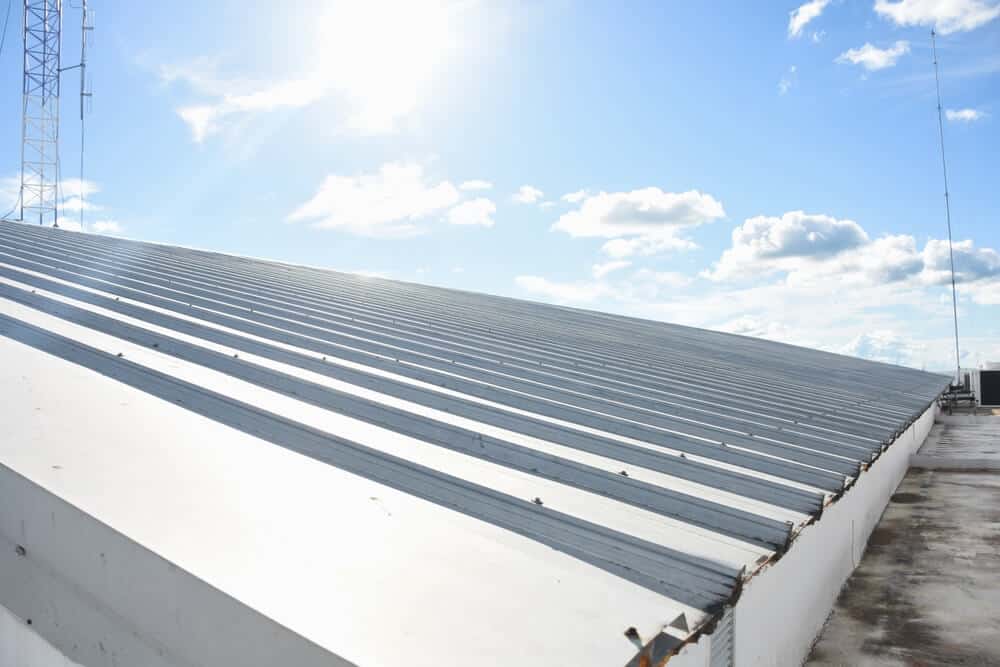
x=927, y=591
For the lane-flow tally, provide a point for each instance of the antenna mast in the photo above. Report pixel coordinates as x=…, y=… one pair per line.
x=39, y=192
x=947, y=210
x=86, y=26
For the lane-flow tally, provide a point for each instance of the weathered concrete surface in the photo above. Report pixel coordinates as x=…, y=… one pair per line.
x=927, y=591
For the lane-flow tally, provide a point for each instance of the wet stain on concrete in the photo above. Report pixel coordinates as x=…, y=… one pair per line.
x=927, y=591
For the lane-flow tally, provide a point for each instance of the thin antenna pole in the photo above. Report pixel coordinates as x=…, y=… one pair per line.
x=83, y=93
x=947, y=211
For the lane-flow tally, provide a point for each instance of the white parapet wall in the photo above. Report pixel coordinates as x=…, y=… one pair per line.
x=783, y=608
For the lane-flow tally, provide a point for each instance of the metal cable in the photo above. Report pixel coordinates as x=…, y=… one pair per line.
x=6, y=20
x=3, y=40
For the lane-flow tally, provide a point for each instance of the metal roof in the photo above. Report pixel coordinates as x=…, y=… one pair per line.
x=674, y=458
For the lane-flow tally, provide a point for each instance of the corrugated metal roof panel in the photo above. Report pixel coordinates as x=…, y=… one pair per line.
x=662, y=448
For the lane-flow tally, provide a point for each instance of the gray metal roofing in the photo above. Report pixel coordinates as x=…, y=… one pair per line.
x=778, y=424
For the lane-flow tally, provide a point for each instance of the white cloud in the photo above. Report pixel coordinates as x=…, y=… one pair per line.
x=474, y=212
x=603, y=269
x=546, y=204
x=75, y=205
x=818, y=36
x=645, y=211
x=815, y=250
x=647, y=245
x=205, y=120
x=946, y=16
x=748, y=325
x=971, y=263
x=106, y=227
x=389, y=203
x=886, y=346
x=800, y=18
x=70, y=191
x=847, y=302
x=811, y=248
x=873, y=58
x=562, y=292
x=637, y=288
x=10, y=188
x=527, y=194
x=475, y=185
x=75, y=187
x=964, y=115
x=640, y=222
x=662, y=278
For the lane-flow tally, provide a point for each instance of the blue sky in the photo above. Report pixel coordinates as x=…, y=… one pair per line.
x=754, y=167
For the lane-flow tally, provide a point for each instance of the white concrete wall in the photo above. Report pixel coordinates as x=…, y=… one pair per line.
x=102, y=600
x=782, y=609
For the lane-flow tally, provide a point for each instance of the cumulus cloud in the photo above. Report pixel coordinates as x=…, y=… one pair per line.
x=10, y=186
x=527, y=194
x=389, y=203
x=563, y=292
x=971, y=263
x=813, y=250
x=749, y=325
x=475, y=185
x=764, y=243
x=640, y=222
x=946, y=16
x=639, y=288
x=106, y=227
x=873, y=58
x=884, y=345
x=474, y=212
x=803, y=15
x=964, y=115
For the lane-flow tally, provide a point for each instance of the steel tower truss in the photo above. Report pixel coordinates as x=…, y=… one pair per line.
x=40, y=124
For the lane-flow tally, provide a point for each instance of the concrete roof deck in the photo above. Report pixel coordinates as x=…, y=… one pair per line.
x=927, y=591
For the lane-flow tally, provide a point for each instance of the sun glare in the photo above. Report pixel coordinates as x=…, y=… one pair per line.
x=382, y=56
